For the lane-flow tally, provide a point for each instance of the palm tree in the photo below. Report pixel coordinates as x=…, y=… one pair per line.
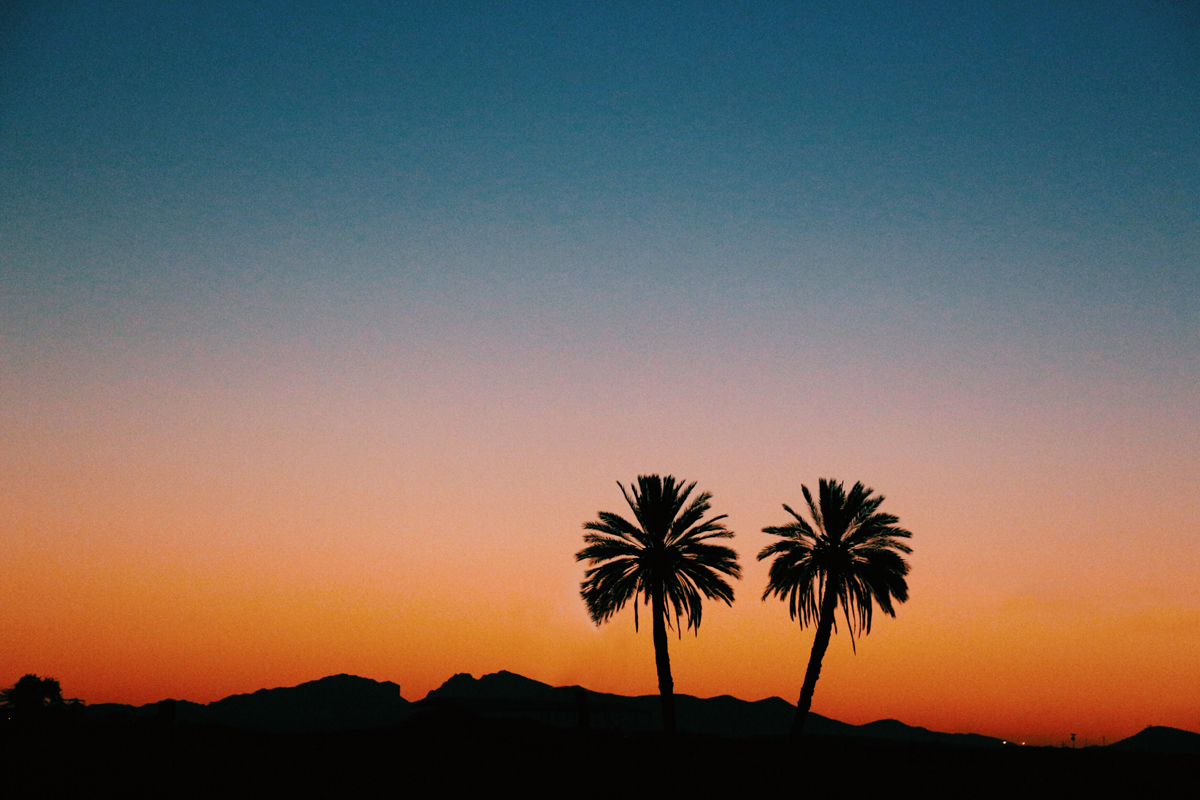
x=665, y=559
x=849, y=555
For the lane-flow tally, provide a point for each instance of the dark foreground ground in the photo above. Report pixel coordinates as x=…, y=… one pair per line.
x=448, y=754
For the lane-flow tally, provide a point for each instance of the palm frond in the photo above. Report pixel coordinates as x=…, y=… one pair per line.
x=669, y=546
x=849, y=548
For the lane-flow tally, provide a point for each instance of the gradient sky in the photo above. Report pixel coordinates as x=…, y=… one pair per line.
x=322, y=332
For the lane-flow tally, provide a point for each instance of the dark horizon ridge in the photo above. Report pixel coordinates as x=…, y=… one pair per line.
x=349, y=702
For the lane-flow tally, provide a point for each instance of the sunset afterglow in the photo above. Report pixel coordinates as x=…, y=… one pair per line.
x=323, y=330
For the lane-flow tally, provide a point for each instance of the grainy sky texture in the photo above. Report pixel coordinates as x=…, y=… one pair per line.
x=323, y=329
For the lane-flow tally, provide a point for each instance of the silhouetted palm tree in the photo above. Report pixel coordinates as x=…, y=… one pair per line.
x=849, y=555
x=665, y=559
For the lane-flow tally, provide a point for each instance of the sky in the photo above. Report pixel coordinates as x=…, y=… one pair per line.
x=323, y=330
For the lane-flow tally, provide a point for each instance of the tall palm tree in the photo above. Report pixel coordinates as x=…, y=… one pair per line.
x=849, y=555
x=665, y=558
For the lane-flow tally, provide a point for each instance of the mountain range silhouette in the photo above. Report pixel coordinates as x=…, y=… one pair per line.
x=348, y=702
x=335, y=703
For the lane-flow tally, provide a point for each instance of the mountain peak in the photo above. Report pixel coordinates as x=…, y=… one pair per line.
x=1161, y=739
x=503, y=685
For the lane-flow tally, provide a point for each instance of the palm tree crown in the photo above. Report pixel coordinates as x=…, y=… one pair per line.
x=669, y=546
x=666, y=559
x=850, y=548
x=850, y=555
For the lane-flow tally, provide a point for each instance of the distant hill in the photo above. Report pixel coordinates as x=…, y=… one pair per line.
x=348, y=702
x=335, y=703
x=507, y=694
x=1160, y=739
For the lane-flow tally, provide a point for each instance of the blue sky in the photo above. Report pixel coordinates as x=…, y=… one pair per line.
x=989, y=128
x=910, y=181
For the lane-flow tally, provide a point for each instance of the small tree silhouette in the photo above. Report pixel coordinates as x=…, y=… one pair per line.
x=31, y=696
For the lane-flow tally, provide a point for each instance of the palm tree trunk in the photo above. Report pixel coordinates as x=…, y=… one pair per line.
x=666, y=686
x=820, y=645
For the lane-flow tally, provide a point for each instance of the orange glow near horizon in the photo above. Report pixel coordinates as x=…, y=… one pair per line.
x=127, y=592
